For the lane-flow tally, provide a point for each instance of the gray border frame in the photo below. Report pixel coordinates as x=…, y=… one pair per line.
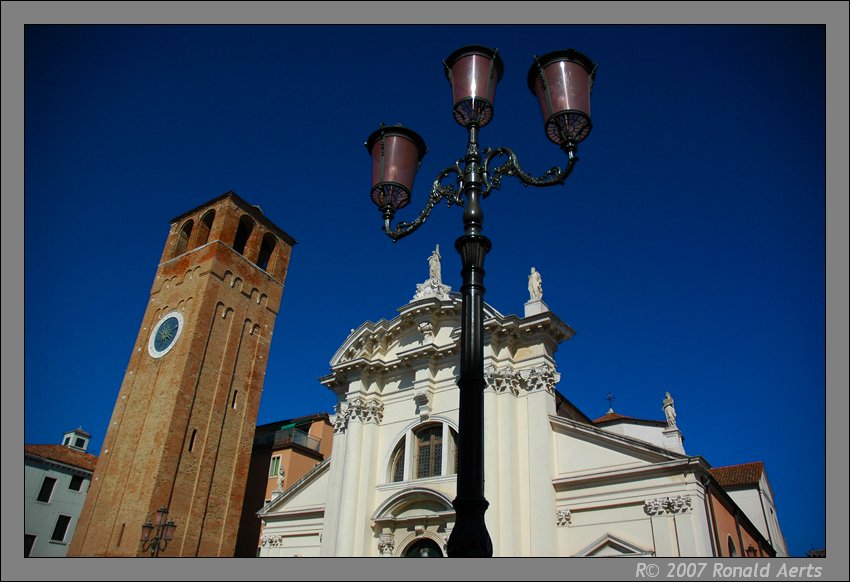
x=15, y=15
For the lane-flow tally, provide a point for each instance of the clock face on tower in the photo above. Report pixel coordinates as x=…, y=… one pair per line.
x=165, y=334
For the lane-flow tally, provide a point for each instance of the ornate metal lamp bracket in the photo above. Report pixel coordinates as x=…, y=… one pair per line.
x=511, y=167
x=439, y=191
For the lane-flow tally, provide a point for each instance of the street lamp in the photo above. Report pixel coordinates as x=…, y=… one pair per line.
x=562, y=83
x=751, y=551
x=164, y=533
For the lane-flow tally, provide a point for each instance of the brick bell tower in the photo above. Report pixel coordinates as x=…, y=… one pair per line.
x=182, y=429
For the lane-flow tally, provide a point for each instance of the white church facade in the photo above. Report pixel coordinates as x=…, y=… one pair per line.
x=558, y=483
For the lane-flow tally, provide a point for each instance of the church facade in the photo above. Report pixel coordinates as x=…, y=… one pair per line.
x=558, y=482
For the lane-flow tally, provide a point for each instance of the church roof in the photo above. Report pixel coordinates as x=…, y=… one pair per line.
x=64, y=455
x=738, y=475
x=614, y=417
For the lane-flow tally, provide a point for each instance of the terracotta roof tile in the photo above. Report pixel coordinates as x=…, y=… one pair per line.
x=737, y=475
x=613, y=416
x=63, y=454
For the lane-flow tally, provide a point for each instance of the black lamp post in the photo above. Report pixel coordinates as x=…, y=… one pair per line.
x=164, y=533
x=562, y=83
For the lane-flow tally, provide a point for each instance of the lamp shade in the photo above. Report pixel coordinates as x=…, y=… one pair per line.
x=562, y=82
x=147, y=529
x=396, y=152
x=168, y=530
x=473, y=72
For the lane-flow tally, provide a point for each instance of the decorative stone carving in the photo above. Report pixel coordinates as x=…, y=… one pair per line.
x=541, y=378
x=433, y=286
x=365, y=410
x=502, y=379
x=678, y=504
x=386, y=544
x=653, y=507
x=672, y=505
x=422, y=399
x=427, y=331
x=563, y=517
x=341, y=418
x=271, y=541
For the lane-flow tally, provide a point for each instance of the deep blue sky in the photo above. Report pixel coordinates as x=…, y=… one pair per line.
x=687, y=250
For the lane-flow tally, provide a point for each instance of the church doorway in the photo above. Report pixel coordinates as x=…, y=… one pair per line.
x=423, y=548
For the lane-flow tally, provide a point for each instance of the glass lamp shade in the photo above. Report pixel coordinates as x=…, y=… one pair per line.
x=473, y=72
x=168, y=531
x=396, y=152
x=562, y=82
x=147, y=529
x=161, y=515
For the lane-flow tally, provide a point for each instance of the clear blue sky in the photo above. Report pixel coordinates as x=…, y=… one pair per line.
x=687, y=250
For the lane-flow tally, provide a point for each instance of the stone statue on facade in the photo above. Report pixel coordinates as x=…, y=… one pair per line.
x=535, y=285
x=433, y=286
x=434, y=271
x=669, y=411
x=280, y=477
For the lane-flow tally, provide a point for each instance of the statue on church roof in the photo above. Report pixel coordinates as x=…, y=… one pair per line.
x=535, y=285
x=434, y=266
x=669, y=411
x=433, y=286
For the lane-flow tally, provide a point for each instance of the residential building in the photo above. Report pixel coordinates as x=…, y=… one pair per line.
x=283, y=453
x=56, y=481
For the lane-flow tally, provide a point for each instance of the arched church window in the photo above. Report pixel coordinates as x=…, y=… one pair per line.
x=432, y=452
x=246, y=225
x=397, y=470
x=429, y=451
x=183, y=239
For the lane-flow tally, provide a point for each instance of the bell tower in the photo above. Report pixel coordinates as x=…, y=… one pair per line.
x=182, y=429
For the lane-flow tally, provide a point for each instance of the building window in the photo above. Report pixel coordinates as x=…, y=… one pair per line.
x=266, y=249
x=183, y=239
x=80, y=443
x=46, y=489
x=733, y=551
x=192, y=439
x=204, y=228
x=76, y=483
x=243, y=231
x=29, y=542
x=61, y=528
x=429, y=451
x=67, y=441
x=274, y=468
x=398, y=464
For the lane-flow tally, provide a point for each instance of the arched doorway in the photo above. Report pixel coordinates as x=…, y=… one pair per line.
x=423, y=548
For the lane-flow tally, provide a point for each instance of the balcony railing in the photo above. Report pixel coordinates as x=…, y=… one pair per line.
x=299, y=437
